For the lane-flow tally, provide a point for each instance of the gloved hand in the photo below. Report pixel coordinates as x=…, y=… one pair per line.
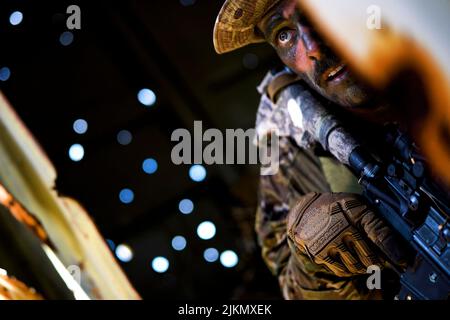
x=334, y=230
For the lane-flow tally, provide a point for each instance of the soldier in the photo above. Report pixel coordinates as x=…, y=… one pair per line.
x=317, y=234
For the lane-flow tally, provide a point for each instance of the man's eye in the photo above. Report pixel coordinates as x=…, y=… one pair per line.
x=284, y=36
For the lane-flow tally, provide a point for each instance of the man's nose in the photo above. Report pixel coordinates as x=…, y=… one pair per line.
x=311, y=43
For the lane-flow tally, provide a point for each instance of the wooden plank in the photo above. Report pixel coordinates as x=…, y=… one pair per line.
x=28, y=175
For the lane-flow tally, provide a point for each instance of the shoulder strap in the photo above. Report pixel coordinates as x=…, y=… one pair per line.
x=279, y=82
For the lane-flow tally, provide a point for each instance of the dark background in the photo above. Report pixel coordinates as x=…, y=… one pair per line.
x=122, y=47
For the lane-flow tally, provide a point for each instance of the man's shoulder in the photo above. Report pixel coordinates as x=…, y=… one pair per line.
x=273, y=114
x=275, y=81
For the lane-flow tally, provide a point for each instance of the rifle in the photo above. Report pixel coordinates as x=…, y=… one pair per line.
x=398, y=186
x=406, y=198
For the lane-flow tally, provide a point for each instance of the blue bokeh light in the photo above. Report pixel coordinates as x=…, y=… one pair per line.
x=124, y=137
x=150, y=166
x=16, y=18
x=5, y=73
x=126, y=196
x=111, y=244
x=66, y=38
x=160, y=264
x=80, y=126
x=147, y=97
x=197, y=173
x=186, y=206
x=211, y=254
x=179, y=243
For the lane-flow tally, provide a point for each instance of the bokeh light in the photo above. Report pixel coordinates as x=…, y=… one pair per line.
x=66, y=38
x=76, y=152
x=147, y=97
x=186, y=206
x=211, y=254
x=229, y=259
x=126, y=196
x=150, y=166
x=206, y=230
x=16, y=18
x=124, y=253
x=111, y=244
x=80, y=126
x=160, y=264
x=124, y=137
x=5, y=73
x=179, y=243
x=197, y=173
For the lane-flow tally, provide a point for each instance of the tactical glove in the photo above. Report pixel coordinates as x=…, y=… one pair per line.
x=339, y=231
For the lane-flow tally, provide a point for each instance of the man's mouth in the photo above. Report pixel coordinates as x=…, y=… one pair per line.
x=336, y=74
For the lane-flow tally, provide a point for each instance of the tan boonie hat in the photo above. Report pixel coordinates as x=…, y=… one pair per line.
x=236, y=23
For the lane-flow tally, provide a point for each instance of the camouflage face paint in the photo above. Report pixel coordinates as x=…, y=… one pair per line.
x=302, y=50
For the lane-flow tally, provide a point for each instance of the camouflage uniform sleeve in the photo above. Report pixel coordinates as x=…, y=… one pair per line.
x=271, y=217
x=299, y=173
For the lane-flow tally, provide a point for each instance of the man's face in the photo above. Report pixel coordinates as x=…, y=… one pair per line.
x=300, y=48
